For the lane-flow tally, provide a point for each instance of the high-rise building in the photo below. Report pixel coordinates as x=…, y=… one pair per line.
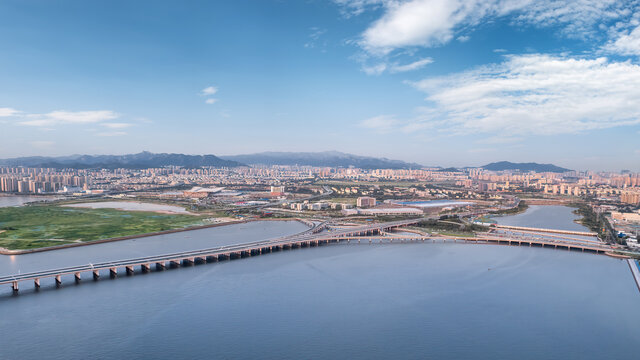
x=366, y=201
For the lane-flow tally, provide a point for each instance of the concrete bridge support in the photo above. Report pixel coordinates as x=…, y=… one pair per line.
x=145, y=268
x=130, y=270
x=160, y=266
x=14, y=286
x=77, y=277
x=36, y=283
x=113, y=272
x=174, y=263
x=96, y=274
x=58, y=280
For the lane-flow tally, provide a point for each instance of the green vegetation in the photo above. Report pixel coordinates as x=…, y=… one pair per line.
x=591, y=220
x=450, y=226
x=29, y=227
x=343, y=200
x=522, y=207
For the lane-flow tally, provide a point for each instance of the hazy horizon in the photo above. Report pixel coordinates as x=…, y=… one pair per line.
x=327, y=151
x=434, y=82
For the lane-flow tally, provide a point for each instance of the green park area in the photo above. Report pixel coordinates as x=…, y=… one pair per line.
x=29, y=227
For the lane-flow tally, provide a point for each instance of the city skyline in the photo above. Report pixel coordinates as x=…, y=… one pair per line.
x=480, y=81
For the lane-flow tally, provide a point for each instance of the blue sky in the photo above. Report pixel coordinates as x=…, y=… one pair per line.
x=439, y=82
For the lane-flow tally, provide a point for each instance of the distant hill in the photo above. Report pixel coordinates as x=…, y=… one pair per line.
x=142, y=160
x=325, y=158
x=506, y=165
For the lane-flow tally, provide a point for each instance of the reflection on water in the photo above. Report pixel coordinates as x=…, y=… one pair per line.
x=544, y=216
x=439, y=301
x=17, y=200
x=149, y=246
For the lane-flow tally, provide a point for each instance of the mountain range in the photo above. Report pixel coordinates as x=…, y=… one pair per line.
x=141, y=160
x=147, y=159
x=506, y=165
x=325, y=158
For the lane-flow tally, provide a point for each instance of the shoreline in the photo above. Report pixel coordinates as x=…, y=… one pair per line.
x=635, y=271
x=5, y=251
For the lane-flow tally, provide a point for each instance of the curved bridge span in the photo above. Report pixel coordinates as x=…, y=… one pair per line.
x=307, y=238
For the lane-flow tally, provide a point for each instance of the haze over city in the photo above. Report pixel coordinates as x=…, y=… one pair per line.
x=319, y=179
x=439, y=83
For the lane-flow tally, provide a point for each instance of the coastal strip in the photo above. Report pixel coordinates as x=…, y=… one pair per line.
x=4, y=251
x=635, y=271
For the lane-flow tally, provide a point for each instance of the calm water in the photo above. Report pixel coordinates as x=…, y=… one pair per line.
x=148, y=246
x=542, y=216
x=441, y=301
x=17, y=200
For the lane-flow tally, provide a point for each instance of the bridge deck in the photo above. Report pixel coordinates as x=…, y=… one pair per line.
x=307, y=238
x=567, y=232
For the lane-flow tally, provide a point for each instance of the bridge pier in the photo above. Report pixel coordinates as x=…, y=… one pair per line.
x=77, y=277
x=188, y=261
x=96, y=274
x=174, y=263
x=14, y=286
x=129, y=270
x=58, y=280
x=145, y=268
x=160, y=266
x=36, y=283
x=113, y=272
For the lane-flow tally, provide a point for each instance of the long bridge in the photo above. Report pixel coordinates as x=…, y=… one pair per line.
x=553, y=231
x=309, y=238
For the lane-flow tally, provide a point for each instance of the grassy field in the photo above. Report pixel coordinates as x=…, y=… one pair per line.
x=29, y=227
x=343, y=200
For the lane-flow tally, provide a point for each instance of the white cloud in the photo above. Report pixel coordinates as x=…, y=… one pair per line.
x=112, y=133
x=42, y=144
x=6, y=112
x=316, y=34
x=393, y=67
x=427, y=23
x=376, y=69
x=382, y=123
x=357, y=7
x=116, y=125
x=535, y=94
x=211, y=90
x=396, y=68
x=82, y=117
x=625, y=43
x=68, y=117
x=211, y=101
x=464, y=38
